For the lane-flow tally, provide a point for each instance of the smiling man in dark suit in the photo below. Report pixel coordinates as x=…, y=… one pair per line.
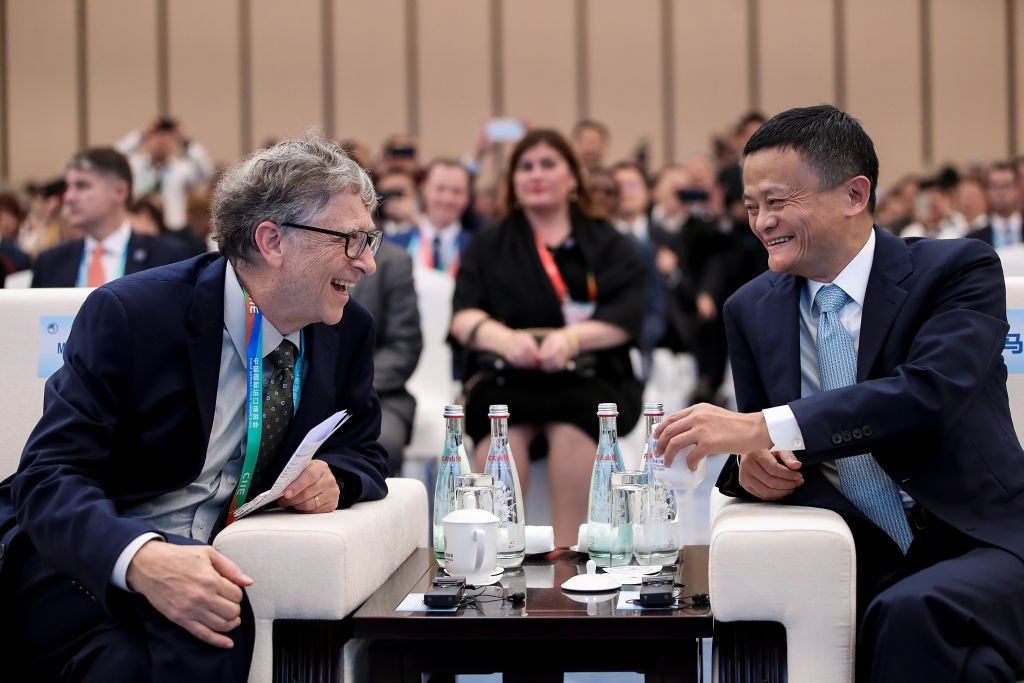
x=869, y=374
x=166, y=415
x=99, y=187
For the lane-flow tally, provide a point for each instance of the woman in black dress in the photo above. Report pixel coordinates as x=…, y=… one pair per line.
x=547, y=304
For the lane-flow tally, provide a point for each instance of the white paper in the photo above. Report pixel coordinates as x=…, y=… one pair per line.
x=413, y=602
x=297, y=464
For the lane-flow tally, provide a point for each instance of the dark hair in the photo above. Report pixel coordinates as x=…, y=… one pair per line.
x=583, y=124
x=831, y=141
x=54, y=188
x=152, y=205
x=12, y=205
x=583, y=205
x=748, y=118
x=104, y=161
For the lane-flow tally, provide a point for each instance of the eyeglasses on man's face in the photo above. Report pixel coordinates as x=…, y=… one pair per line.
x=355, y=241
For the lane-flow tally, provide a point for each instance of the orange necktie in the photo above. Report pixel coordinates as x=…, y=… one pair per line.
x=96, y=275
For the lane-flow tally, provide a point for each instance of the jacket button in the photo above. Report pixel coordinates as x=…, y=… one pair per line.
x=867, y=430
x=857, y=434
x=847, y=436
x=837, y=439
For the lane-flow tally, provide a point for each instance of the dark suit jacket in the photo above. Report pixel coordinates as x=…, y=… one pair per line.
x=390, y=297
x=983, y=234
x=930, y=401
x=58, y=267
x=128, y=416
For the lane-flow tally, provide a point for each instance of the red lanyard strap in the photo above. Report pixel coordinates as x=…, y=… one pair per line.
x=555, y=275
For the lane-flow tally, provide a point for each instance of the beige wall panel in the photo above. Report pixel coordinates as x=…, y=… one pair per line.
x=204, y=74
x=540, y=61
x=969, y=85
x=287, y=78
x=1019, y=12
x=710, y=53
x=41, y=90
x=797, y=40
x=370, y=92
x=122, y=72
x=883, y=87
x=454, y=74
x=625, y=61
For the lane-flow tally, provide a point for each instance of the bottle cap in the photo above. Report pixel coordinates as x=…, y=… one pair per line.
x=454, y=411
x=498, y=410
x=607, y=410
x=654, y=409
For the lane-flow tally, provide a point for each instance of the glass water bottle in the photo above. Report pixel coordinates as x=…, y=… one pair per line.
x=454, y=462
x=663, y=529
x=608, y=460
x=508, y=495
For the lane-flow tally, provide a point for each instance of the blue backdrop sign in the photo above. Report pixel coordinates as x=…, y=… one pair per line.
x=53, y=335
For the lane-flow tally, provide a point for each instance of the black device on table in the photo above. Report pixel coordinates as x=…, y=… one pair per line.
x=656, y=591
x=445, y=591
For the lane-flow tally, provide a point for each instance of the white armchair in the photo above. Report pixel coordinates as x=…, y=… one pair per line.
x=311, y=570
x=797, y=566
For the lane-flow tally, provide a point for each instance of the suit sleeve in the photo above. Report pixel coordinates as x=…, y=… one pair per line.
x=355, y=456
x=957, y=345
x=400, y=340
x=58, y=492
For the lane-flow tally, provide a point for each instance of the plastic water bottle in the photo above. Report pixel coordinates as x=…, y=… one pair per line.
x=663, y=538
x=608, y=460
x=454, y=462
x=508, y=494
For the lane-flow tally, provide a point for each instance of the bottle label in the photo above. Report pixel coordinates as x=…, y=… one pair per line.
x=498, y=458
x=605, y=457
x=449, y=458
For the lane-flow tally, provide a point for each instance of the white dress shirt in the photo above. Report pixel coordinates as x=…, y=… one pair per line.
x=449, y=235
x=115, y=254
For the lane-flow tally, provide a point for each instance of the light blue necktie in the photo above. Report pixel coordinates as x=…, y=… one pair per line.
x=861, y=478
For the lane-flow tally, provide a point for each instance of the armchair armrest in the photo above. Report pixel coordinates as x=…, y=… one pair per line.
x=792, y=565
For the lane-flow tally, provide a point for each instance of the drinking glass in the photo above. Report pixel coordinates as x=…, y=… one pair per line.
x=629, y=513
x=474, y=492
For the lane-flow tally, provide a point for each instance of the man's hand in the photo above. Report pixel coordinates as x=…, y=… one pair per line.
x=194, y=586
x=770, y=475
x=710, y=429
x=315, y=490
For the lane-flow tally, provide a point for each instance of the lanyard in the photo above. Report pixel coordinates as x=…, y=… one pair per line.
x=254, y=402
x=555, y=275
x=83, y=269
x=422, y=252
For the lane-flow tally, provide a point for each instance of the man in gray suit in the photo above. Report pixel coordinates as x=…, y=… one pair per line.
x=390, y=297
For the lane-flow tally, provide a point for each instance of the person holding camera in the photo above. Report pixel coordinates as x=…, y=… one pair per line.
x=546, y=306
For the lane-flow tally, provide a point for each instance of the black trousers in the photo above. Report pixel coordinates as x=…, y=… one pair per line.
x=953, y=610
x=55, y=631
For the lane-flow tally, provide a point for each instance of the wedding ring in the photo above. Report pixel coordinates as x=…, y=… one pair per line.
x=316, y=502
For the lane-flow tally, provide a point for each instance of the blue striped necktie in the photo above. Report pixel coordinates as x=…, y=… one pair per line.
x=861, y=478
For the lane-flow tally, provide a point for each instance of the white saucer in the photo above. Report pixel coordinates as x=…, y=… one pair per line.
x=634, y=570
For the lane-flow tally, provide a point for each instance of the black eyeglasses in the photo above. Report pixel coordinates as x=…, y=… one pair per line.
x=355, y=241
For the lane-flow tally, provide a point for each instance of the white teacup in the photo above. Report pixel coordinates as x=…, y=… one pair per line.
x=471, y=550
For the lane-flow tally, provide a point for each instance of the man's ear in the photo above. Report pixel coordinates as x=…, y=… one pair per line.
x=269, y=240
x=858, y=195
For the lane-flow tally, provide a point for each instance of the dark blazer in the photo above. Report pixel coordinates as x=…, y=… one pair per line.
x=930, y=402
x=390, y=297
x=983, y=234
x=58, y=267
x=128, y=416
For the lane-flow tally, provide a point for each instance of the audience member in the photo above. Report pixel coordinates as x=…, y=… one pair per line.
x=146, y=215
x=46, y=225
x=605, y=192
x=99, y=188
x=400, y=155
x=390, y=297
x=438, y=238
x=12, y=259
x=969, y=200
x=165, y=162
x=590, y=140
x=144, y=437
x=935, y=216
x=397, y=212
x=917, y=449
x=547, y=304
x=1004, y=201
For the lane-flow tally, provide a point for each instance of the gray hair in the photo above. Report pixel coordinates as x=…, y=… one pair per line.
x=290, y=182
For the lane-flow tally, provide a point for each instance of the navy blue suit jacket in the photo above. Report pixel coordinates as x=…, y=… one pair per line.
x=930, y=401
x=128, y=416
x=58, y=267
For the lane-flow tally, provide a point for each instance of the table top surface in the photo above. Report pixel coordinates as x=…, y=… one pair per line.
x=548, y=611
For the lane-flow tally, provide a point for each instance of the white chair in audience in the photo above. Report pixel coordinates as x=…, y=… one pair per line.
x=18, y=280
x=797, y=565
x=311, y=568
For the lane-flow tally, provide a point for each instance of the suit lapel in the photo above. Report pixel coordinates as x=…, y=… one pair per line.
x=207, y=319
x=778, y=328
x=883, y=298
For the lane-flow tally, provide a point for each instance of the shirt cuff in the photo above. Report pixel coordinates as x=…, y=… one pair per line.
x=119, y=577
x=783, y=428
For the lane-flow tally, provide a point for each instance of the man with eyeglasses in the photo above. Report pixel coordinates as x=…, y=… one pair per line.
x=183, y=393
